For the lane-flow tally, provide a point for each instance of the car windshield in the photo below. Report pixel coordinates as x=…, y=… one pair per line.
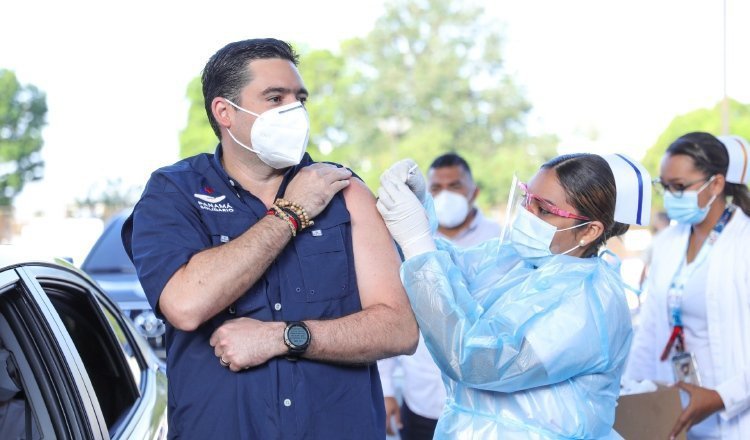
x=108, y=254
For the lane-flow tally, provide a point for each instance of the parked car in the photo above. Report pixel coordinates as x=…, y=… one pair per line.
x=109, y=265
x=72, y=366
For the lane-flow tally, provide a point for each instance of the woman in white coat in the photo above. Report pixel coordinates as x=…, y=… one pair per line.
x=695, y=322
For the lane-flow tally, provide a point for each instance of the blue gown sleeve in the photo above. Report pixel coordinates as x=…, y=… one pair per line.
x=493, y=323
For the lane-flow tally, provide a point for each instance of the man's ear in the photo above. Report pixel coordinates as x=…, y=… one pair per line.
x=473, y=198
x=220, y=110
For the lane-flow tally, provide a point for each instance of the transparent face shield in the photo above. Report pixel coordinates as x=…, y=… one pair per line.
x=521, y=199
x=515, y=198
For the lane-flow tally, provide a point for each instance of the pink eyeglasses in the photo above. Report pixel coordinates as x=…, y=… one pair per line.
x=538, y=204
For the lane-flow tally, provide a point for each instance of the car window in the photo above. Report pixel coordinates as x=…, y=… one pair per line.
x=100, y=351
x=108, y=253
x=128, y=350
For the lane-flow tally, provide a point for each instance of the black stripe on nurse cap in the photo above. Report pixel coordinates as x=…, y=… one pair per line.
x=633, y=186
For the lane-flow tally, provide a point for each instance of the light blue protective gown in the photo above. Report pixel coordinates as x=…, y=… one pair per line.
x=526, y=353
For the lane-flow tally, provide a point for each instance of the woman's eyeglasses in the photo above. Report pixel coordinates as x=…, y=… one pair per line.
x=677, y=189
x=538, y=204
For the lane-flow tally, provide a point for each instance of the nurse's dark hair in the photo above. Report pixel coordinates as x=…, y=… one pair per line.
x=710, y=157
x=589, y=187
x=226, y=72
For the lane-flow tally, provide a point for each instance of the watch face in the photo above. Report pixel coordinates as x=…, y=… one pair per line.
x=297, y=335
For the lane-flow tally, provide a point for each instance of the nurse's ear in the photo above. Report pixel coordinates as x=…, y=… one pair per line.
x=716, y=187
x=590, y=233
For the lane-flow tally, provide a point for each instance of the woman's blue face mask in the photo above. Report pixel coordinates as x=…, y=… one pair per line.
x=531, y=236
x=685, y=209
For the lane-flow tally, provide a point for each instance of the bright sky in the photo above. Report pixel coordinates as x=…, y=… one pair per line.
x=115, y=74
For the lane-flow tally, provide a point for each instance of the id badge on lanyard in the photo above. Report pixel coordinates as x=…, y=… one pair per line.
x=684, y=365
x=685, y=368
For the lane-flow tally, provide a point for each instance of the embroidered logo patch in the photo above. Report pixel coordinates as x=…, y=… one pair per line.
x=210, y=202
x=209, y=199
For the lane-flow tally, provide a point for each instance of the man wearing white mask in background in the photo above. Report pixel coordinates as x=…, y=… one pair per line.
x=454, y=191
x=276, y=275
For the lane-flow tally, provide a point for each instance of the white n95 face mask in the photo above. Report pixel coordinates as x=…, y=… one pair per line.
x=279, y=136
x=451, y=208
x=531, y=236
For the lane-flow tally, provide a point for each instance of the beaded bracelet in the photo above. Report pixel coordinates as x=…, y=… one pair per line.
x=276, y=211
x=299, y=211
x=293, y=216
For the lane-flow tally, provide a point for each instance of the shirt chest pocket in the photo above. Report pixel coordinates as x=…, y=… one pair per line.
x=225, y=227
x=324, y=260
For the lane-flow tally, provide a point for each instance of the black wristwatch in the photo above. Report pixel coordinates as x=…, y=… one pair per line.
x=297, y=338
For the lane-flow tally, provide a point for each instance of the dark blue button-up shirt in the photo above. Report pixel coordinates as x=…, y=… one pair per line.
x=193, y=205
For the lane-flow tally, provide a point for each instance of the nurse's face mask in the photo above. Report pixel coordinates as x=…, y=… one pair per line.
x=279, y=135
x=531, y=236
x=682, y=205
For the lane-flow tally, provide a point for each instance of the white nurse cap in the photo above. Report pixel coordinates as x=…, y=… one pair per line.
x=737, y=148
x=633, y=187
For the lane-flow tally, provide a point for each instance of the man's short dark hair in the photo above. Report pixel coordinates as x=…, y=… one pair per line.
x=451, y=160
x=226, y=72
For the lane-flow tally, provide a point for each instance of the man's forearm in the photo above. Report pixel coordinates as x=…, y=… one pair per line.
x=375, y=333
x=216, y=277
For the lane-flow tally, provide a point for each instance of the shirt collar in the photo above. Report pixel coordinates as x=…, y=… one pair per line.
x=288, y=175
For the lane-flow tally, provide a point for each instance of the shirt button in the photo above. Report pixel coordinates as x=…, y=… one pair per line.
x=277, y=306
x=287, y=402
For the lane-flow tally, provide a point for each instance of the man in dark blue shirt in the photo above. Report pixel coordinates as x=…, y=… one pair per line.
x=276, y=275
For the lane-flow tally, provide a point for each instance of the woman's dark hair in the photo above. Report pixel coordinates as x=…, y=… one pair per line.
x=590, y=187
x=710, y=157
x=226, y=72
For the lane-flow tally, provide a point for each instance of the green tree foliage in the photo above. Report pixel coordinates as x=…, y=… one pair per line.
x=197, y=137
x=428, y=79
x=22, y=116
x=708, y=120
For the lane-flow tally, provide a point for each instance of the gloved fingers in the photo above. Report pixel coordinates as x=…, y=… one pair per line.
x=406, y=171
x=384, y=212
x=405, y=195
x=401, y=168
x=416, y=183
x=396, y=189
x=389, y=176
x=388, y=194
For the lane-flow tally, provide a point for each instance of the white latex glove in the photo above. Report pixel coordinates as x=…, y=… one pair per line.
x=406, y=170
x=404, y=215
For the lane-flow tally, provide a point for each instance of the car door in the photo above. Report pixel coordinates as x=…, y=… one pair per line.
x=119, y=384
x=53, y=395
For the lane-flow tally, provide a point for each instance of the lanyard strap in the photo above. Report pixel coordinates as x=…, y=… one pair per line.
x=676, y=336
x=682, y=276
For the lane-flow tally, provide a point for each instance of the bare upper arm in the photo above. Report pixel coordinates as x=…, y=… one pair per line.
x=376, y=260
